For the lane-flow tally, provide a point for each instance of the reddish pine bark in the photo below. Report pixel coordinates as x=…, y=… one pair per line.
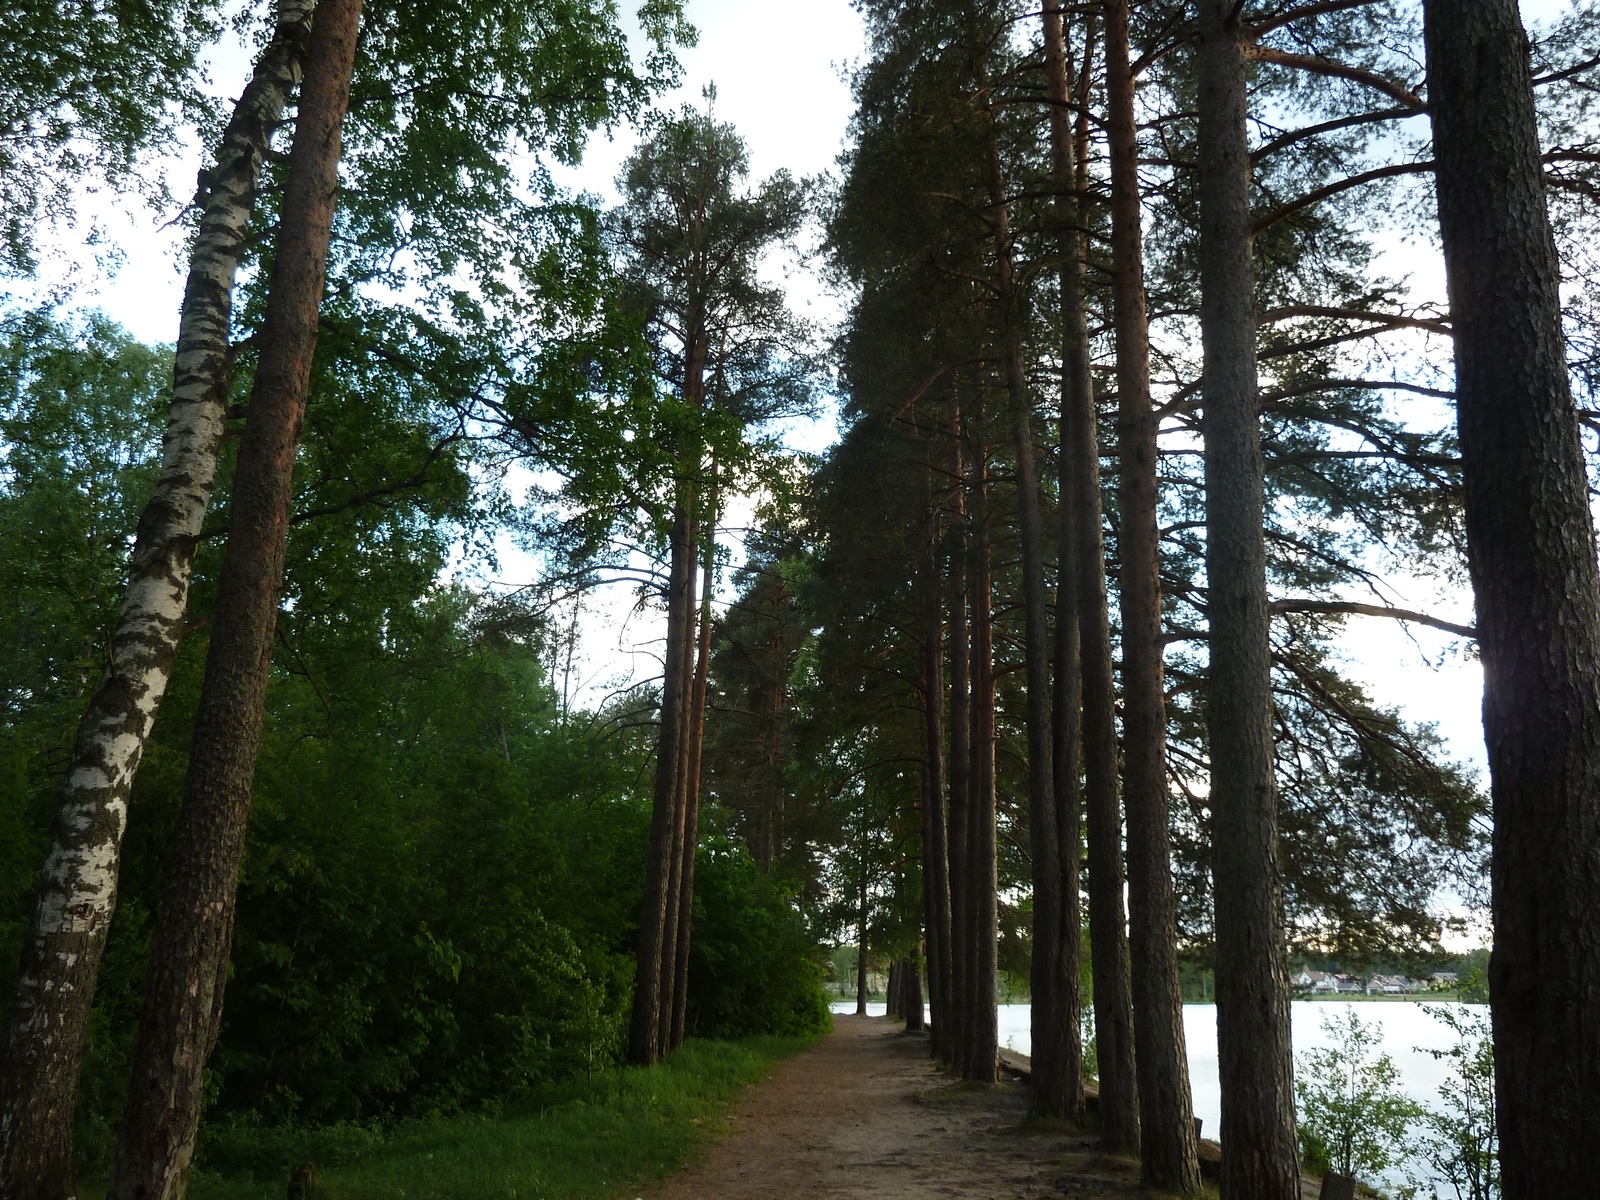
x=189, y=954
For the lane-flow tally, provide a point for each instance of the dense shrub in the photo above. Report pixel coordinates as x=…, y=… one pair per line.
x=752, y=965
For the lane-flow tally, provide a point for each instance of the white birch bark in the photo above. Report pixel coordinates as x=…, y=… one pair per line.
x=77, y=890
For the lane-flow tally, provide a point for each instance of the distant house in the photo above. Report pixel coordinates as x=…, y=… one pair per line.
x=1391, y=985
x=1444, y=981
x=1326, y=983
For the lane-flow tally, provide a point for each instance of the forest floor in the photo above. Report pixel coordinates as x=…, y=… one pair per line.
x=867, y=1113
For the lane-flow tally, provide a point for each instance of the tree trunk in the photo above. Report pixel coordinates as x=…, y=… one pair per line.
x=72, y=908
x=1530, y=543
x=189, y=953
x=935, y=849
x=1255, y=1063
x=1169, y=1155
x=1108, y=931
x=644, y=1037
x=697, y=738
x=1050, y=1089
x=1068, y=727
x=861, y=939
x=983, y=1035
x=960, y=765
x=687, y=640
x=912, y=1000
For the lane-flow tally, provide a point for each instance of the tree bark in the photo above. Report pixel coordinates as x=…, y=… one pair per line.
x=960, y=763
x=912, y=1001
x=1068, y=698
x=189, y=953
x=1531, y=551
x=691, y=816
x=935, y=848
x=644, y=1037
x=1084, y=524
x=76, y=895
x=1049, y=1092
x=861, y=939
x=983, y=1035
x=1255, y=1063
x=1169, y=1155
x=688, y=640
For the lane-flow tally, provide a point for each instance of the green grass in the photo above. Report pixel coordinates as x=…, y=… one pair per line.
x=587, y=1139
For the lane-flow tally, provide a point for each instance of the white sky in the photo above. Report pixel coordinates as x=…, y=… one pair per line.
x=777, y=69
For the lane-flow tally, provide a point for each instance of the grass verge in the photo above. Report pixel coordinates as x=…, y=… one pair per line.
x=585, y=1140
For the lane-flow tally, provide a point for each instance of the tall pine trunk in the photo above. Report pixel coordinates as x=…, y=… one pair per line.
x=1048, y=1095
x=1067, y=718
x=644, y=1036
x=1254, y=1057
x=184, y=986
x=935, y=846
x=1166, y=1110
x=1108, y=931
x=680, y=800
x=1530, y=546
x=691, y=815
x=983, y=1036
x=960, y=761
x=76, y=895
x=861, y=937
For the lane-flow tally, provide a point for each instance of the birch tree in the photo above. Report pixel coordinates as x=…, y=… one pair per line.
x=78, y=886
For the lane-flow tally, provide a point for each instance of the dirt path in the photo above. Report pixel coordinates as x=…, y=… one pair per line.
x=867, y=1114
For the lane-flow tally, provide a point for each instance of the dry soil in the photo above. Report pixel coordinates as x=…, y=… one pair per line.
x=868, y=1114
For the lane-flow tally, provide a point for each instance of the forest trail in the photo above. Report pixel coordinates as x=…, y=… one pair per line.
x=868, y=1114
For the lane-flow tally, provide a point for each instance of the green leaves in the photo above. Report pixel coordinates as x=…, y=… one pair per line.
x=1353, y=1118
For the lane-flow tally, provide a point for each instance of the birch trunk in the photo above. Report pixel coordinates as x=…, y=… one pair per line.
x=1255, y=1063
x=1169, y=1155
x=184, y=987
x=76, y=895
x=1530, y=547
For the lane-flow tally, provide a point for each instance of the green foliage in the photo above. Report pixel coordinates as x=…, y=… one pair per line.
x=1458, y=1142
x=595, y=1138
x=1353, y=1118
x=751, y=967
x=81, y=409
x=83, y=88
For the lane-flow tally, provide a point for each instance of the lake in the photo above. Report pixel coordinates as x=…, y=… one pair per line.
x=1405, y=1025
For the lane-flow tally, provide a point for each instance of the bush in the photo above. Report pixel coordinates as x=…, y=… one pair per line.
x=752, y=967
x=1353, y=1117
x=1459, y=1142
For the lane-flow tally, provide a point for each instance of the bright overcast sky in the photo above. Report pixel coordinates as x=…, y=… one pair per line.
x=778, y=74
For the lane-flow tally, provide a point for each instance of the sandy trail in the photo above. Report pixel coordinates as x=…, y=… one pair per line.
x=868, y=1114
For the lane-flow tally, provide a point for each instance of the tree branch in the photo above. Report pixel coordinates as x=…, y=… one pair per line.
x=1318, y=195
x=1337, y=70
x=1350, y=608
